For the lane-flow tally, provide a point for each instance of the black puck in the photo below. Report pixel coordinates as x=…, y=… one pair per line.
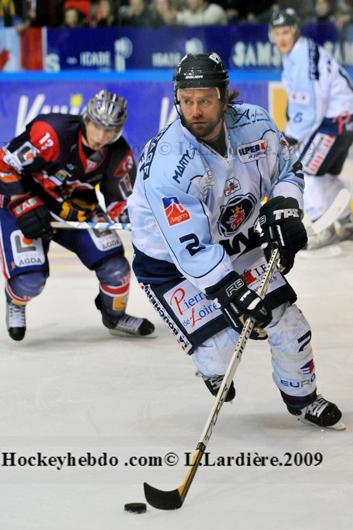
x=135, y=507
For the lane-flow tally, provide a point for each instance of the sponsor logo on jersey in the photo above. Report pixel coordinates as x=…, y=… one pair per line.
x=232, y=185
x=26, y=252
x=308, y=367
x=183, y=162
x=234, y=213
x=318, y=151
x=295, y=383
x=191, y=306
x=248, y=276
x=181, y=338
x=252, y=151
x=175, y=211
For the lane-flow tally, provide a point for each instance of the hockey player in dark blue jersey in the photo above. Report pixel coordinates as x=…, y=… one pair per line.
x=49, y=172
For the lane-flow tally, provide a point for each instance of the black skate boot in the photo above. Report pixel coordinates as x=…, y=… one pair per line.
x=213, y=383
x=15, y=320
x=125, y=325
x=322, y=413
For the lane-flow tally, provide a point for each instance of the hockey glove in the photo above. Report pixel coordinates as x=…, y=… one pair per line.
x=76, y=211
x=238, y=302
x=33, y=218
x=291, y=141
x=281, y=226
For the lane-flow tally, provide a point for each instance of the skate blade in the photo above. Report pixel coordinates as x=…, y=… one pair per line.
x=339, y=426
x=120, y=333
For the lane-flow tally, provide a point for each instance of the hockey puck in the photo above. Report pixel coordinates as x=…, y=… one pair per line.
x=135, y=507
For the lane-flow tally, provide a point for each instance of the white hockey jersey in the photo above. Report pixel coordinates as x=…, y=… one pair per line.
x=196, y=209
x=317, y=87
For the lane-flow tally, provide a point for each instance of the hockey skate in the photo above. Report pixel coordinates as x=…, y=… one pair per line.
x=322, y=413
x=125, y=325
x=15, y=320
x=133, y=326
x=213, y=384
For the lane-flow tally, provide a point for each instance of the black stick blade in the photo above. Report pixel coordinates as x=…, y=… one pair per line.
x=163, y=500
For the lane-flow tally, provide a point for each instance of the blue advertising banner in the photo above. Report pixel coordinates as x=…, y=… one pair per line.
x=150, y=102
x=120, y=49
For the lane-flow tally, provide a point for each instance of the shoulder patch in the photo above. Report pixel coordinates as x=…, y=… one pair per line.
x=45, y=139
x=175, y=211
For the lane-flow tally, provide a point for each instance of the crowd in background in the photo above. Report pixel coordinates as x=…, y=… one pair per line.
x=155, y=13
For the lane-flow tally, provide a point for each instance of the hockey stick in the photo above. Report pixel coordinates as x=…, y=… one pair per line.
x=89, y=225
x=173, y=499
x=331, y=215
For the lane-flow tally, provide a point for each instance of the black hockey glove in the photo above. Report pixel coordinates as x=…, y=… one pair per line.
x=238, y=302
x=282, y=227
x=33, y=218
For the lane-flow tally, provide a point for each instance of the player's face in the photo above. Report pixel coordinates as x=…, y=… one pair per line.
x=284, y=38
x=97, y=137
x=202, y=111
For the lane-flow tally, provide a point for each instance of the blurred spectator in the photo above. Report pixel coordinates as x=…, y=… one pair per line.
x=82, y=6
x=324, y=11
x=136, y=14
x=8, y=14
x=104, y=15
x=201, y=13
x=234, y=10
x=72, y=18
x=164, y=12
x=29, y=19
x=344, y=14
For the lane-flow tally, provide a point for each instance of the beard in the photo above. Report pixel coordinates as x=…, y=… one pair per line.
x=204, y=129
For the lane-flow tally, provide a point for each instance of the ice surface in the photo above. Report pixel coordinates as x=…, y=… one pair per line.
x=70, y=387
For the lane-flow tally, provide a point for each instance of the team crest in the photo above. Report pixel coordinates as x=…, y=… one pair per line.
x=175, y=211
x=235, y=213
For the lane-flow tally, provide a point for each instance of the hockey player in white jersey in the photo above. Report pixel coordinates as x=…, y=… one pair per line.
x=195, y=202
x=320, y=119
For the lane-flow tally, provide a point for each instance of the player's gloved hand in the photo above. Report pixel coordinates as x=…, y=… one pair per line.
x=118, y=212
x=33, y=218
x=124, y=216
x=76, y=211
x=238, y=302
x=281, y=225
x=293, y=142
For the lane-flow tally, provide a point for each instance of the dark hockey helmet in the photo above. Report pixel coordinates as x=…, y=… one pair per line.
x=285, y=17
x=107, y=110
x=201, y=71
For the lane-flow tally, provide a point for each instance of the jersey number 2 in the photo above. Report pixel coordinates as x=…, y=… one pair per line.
x=194, y=246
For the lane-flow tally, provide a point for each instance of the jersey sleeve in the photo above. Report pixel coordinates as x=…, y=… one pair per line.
x=286, y=176
x=30, y=150
x=119, y=179
x=184, y=223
